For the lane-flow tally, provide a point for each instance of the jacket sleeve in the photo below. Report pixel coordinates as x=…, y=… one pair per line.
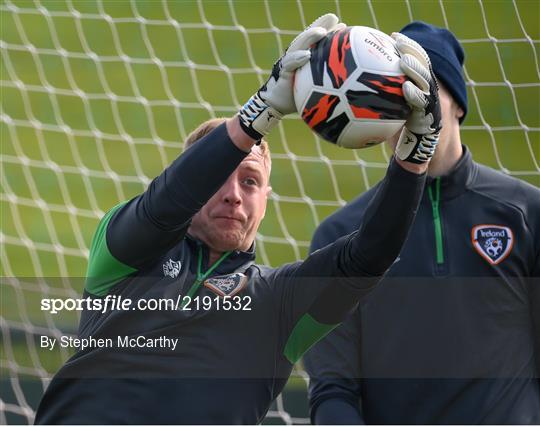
x=333, y=365
x=318, y=293
x=133, y=234
x=533, y=217
x=534, y=293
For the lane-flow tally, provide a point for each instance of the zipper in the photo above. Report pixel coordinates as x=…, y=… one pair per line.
x=435, y=209
x=201, y=277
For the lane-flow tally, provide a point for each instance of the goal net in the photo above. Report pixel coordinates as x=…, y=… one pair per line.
x=98, y=96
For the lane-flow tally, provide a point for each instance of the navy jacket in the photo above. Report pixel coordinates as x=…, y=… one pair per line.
x=449, y=335
x=229, y=363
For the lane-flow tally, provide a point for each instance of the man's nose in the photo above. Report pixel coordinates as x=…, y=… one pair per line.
x=231, y=193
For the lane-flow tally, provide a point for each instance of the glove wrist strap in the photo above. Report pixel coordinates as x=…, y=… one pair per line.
x=416, y=148
x=257, y=118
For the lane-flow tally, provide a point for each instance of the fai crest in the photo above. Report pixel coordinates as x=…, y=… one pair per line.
x=172, y=268
x=228, y=285
x=492, y=242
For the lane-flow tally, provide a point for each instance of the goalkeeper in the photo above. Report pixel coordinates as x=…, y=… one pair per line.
x=192, y=233
x=466, y=353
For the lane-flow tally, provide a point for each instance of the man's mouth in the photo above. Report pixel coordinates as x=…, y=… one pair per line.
x=230, y=218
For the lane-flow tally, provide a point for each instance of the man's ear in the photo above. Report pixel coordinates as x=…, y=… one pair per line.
x=268, y=191
x=459, y=112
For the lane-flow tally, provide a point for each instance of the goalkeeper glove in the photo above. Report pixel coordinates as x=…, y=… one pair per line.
x=275, y=99
x=420, y=135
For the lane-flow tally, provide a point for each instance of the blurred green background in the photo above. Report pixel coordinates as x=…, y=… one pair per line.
x=97, y=97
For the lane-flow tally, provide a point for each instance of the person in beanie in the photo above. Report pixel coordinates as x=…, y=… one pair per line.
x=452, y=334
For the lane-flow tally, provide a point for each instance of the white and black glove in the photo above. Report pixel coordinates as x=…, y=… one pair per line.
x=275, y=99
x=420, y=135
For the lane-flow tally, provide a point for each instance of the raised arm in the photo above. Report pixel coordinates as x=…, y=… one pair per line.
x=133, y=234
x=136, y=232
x=151, y=223
x=535, y=312
x=318, y=293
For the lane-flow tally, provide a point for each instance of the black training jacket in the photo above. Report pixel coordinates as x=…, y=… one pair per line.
x=229, y=364
x=449, y=335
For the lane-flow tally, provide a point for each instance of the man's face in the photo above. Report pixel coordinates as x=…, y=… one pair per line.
x=230, y=219
x=451, y=112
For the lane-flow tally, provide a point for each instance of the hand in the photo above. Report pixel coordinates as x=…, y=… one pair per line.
x=420, y=135
x=274, y=99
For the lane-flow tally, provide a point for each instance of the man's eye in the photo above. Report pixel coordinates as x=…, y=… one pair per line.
x=250, y=181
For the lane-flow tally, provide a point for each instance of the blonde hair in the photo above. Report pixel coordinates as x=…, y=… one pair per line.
x=208, y=126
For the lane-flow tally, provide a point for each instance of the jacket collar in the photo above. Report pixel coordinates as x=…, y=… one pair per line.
x=459, y=178
x=236, y=260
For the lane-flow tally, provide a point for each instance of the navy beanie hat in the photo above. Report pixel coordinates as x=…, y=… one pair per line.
x=446, y=56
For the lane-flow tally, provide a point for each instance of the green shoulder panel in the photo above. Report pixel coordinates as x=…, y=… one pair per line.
x=104, y=270
x=305, y=334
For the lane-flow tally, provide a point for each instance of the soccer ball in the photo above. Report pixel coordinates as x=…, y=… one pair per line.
x=350, y=92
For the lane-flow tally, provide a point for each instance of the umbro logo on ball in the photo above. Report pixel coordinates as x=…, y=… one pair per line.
x=493, y=242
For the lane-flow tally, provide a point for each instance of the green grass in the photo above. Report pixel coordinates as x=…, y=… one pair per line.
x=213, y=66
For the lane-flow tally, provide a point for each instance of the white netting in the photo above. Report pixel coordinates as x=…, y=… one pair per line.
x=97, y=97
